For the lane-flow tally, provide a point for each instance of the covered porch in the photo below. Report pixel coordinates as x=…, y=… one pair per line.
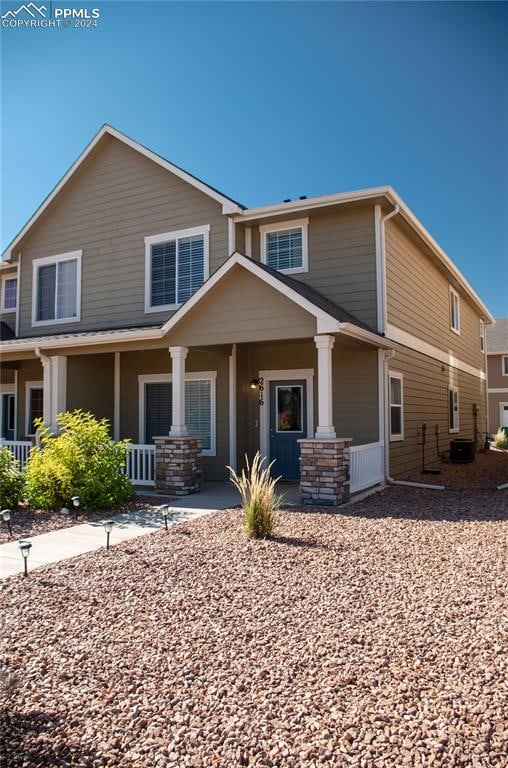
x=251, y=362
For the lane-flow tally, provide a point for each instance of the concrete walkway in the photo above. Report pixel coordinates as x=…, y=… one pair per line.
x=78, y=539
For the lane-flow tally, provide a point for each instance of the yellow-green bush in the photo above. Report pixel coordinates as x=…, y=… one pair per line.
x=11, y=480
x=82, y=460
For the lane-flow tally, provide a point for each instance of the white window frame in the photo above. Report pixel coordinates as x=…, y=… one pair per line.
x=29, y=385
x=5, y=278
x=504, y=360
x=163, y=378
x=43, y=262
x=167, y=237
x=283, y=226
x=397, y=437
x=501, y=409
x=454, y=296
x=456, y=426
x=482, y=336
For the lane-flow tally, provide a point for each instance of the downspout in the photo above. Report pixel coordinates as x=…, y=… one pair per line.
x=388, y=356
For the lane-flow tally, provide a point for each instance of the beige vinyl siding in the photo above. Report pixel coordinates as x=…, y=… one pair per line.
x=6, y=375
x=29, y=370
x=342, y=258
x=134, y=364
x=495, y=399
x=90, y=385
x=425, y=399
x=495, y=371
x=241, y=308
x=116, y=199
x=355, y=393
x=418, y=300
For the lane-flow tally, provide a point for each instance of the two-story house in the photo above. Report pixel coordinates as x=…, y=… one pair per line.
x=140, y=293
x=497, y=374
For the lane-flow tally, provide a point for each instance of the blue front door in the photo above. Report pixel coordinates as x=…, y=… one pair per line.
x=288, y=424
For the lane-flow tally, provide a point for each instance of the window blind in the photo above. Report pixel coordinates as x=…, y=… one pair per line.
x=178, y=270
x=198, y=410
x=284, y=249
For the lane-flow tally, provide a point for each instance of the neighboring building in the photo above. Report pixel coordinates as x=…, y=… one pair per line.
x=332, y=317
x=497, y=374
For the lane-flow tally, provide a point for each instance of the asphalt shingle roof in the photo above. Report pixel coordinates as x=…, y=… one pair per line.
x=497, y=336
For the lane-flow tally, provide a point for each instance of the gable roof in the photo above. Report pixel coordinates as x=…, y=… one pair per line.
x=330, y=317
x=497, y=337
x=228, y=204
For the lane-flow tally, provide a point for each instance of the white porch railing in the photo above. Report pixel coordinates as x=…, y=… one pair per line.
x=19, y=449
x=141, y=464
x=366, y=467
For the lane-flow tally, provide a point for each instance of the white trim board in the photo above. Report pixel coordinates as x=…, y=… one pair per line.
x=228, y=205
x=413, y=342
x=264, y=410
x=497, y=390
x=160, y=378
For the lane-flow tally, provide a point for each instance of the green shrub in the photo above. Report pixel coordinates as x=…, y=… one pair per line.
x=500, y=439
x=11, y=480
x=259, y=501
x=82, y=460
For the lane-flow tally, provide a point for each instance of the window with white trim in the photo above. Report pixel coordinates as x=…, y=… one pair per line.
x=9, y=294
x=482, y=336
x=176, y=265
x=453, y=409
x=504, y=365
x=156, y=407
x=284, y=246
x=396, y=406
x=33, y=405
x=57, y=289
x=454, y=311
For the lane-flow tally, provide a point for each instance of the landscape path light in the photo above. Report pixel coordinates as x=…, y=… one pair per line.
x=6, y=515
x=108, y=527
x=75, y=501
x=165, y=512
x=25, y=547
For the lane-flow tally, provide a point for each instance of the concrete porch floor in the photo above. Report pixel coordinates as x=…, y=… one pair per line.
x=220, y=495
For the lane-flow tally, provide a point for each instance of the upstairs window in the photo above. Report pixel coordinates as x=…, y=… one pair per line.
x=57, y=289
x=9, y=294
x=504, y=365
x=176, y=265
x=396, y=407
x=482, y=336
x=453, y=409
x=284, y=246
x=454, y=311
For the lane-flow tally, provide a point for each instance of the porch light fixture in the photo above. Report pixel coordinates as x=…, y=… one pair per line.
x=254, y=383
x=75, y=501
x=25, y=547
x=108, y=527
x=6, y=516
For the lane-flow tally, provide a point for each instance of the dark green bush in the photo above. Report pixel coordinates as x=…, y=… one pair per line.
x=11, y=480
x=82, y=460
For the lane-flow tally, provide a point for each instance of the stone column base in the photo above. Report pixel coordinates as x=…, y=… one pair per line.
x=178, y=465
x=324, y=471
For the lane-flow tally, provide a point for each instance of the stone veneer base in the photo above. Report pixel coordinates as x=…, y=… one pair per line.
x=324, y=471
x=178, y=465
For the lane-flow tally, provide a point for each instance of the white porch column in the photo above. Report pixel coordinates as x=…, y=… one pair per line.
x=325, y=429
x=54, y=388
x=46, y=390
x=178, y=427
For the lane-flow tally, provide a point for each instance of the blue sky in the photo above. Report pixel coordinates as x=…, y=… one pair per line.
x=274, y=100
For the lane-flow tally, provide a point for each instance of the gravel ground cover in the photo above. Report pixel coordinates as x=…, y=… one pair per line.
x=488, y=470
x=28, y=522
x=372, y=638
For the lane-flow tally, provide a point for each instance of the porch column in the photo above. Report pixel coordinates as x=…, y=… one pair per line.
x=178, y=426
x=325, y=429
x=54, y=388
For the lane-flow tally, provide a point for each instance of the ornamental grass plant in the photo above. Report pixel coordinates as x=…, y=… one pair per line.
x=260, y=502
